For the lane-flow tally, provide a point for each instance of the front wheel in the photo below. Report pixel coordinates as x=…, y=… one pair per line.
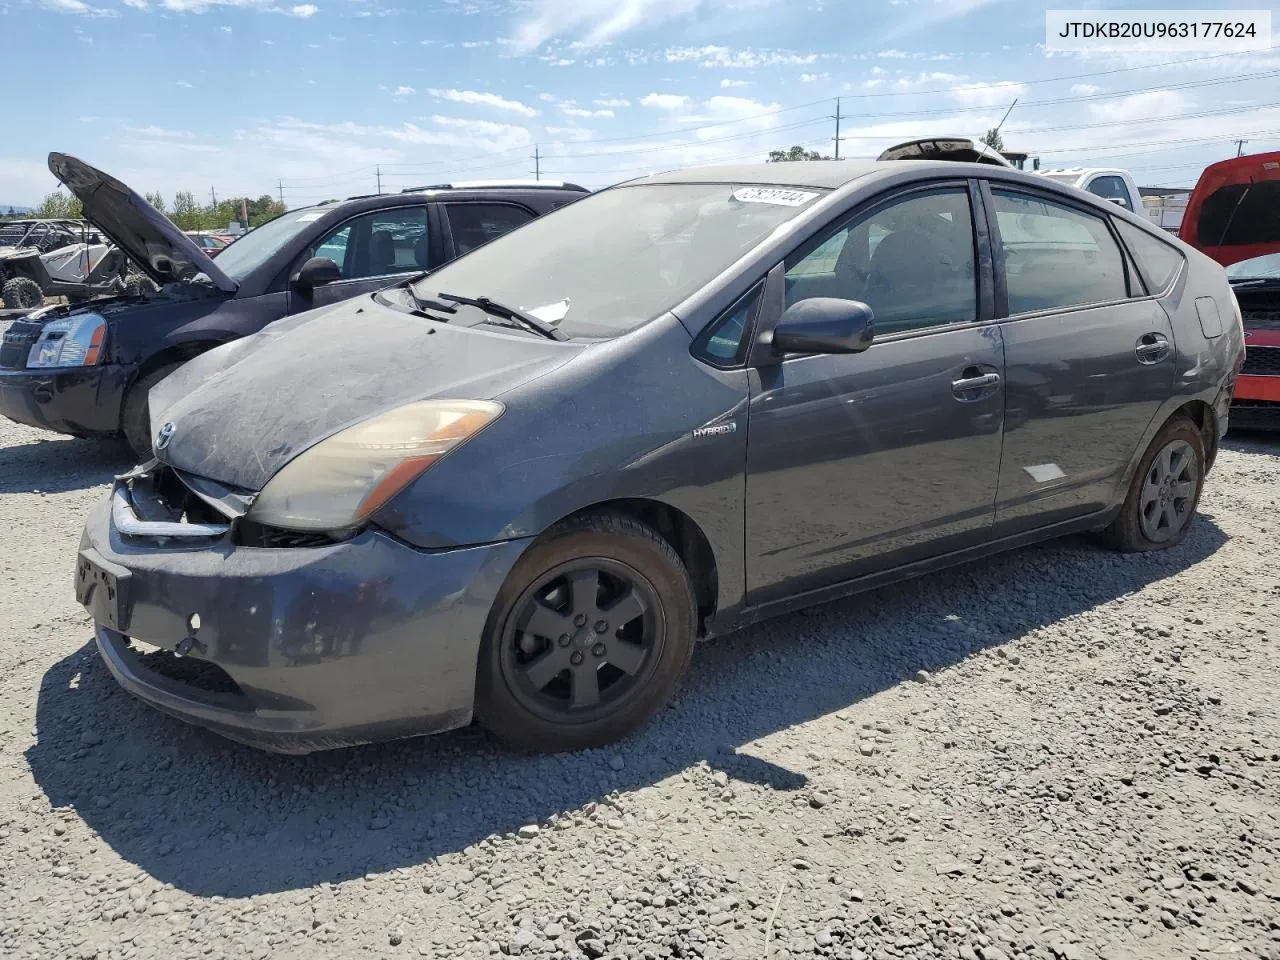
x=135, y=412
x=1163, y=493
x=21, y=293
x=589, y=637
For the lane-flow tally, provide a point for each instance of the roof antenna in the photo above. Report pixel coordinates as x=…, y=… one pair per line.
x=1006, y=114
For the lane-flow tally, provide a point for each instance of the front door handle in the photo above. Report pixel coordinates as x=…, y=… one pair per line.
x=969, y=384
x=1152, y=347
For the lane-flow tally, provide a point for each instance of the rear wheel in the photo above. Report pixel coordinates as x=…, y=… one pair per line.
x=135, y=415
x=21, y=293
x=589, y=637
x=1164, y=492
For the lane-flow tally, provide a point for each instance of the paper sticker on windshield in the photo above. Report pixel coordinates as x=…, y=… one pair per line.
x=551, y=312
x=778, y=197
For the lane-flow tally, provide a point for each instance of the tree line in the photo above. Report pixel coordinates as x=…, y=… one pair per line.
x=183, y=210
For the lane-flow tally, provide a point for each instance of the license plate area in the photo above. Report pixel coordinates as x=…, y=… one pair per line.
x=102, y=588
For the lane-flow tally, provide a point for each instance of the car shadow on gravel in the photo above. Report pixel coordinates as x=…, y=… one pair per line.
x=214, y=818
x=61, y=464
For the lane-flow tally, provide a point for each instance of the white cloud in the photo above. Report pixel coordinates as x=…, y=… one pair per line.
x=304, y=10
x=136, y=4
x=483, y=99
x=716, y=56
x=727, y=84
x=402, y=91
x=570, y=133
x=78, y=7
x=665, y=101
x=987, y=94
x=301, y=10
x=1085, y=89
x=612, y=103
x=570, y=111
x=1141, y=106
x=930, y=13
x=182, y=83
x=814, y=77
x=594, y=22
x=225, y=29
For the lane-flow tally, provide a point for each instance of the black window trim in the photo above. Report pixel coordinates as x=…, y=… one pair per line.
x=1137, y=264
x=984, y=256
x=1086, y=209
x=450, y=248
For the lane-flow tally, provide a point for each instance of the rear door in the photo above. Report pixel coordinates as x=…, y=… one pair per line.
x=1089, y=358
x=373, y=250
x=862, y=462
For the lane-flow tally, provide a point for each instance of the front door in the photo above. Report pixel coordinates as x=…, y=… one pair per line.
x=862, y=462
x=373, y=251
x=1088, y=358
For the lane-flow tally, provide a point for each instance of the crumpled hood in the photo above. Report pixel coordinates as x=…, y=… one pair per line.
x=1233, y=214
x=243, y=410
x=151, y=239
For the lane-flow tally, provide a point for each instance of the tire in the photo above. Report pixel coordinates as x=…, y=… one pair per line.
x=135, y=416
x=21, y=293
x=633, y=663
x=1164, y=492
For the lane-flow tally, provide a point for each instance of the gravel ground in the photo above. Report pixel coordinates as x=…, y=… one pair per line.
x=1058, y=753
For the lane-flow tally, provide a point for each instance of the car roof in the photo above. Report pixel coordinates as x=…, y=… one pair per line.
x=826, y=174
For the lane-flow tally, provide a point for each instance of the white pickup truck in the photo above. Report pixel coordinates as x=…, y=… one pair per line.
x=1110, y=183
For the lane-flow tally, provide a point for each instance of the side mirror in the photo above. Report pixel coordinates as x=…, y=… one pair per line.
x=824, y=325
x=316, y=272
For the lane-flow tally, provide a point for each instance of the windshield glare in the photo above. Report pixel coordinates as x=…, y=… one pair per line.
x=1264, y=267
x=613, y=261
x=244, y=255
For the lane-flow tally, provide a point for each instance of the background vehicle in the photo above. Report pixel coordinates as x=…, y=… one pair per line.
x=675, y=407
x=210, y=243
x=1233, y=215
x=1109, y=183
x=304, y=259
x=66, y=258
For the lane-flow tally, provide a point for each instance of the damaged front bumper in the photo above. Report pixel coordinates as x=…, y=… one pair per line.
x=288, y=648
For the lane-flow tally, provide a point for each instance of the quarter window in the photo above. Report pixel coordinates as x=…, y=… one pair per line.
x=911, y=261
x=724, y=343
x=1158, y=261
x=1056, y=256
x=475, y=224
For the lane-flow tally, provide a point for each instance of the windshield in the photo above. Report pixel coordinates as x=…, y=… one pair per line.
x=1259, y=268
x=613, y=261
x=238, y=259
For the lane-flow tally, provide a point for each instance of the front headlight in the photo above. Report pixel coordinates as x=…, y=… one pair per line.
x=73, y=342
x=341, y=481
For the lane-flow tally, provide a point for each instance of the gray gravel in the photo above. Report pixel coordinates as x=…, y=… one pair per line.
x=1059, y=753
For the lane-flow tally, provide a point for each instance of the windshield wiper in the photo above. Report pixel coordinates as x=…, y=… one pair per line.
x=1252, y=281
x=496, y=309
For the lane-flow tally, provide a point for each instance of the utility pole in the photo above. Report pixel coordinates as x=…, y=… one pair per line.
x=280, y=185
x=1240, y=146
x=837, y=128
x=214, y=193
x=537, y=162
x=378, y=171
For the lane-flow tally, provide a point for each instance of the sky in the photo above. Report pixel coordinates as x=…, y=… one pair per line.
x=314, y=100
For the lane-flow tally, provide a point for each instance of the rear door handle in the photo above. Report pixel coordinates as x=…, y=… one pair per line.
x=968, y=384
x=1152, y=347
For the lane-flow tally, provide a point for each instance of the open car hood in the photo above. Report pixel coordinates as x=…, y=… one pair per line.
x=151, y=239
x=958, y=149
x=1233, y=214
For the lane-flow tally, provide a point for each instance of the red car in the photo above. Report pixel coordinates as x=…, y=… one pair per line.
x=1233, y=215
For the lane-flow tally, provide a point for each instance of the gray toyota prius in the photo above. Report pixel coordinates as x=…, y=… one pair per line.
x=522, y=486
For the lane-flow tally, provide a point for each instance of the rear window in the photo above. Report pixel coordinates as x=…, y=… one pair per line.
x=1159, y=262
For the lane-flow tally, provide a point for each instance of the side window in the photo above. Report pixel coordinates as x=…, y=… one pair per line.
x=378, y=244
x=475, y=224
x=1111, y=188
x=1056, y=256
x=1158, y=261
x=725, y=342
x=911, y=261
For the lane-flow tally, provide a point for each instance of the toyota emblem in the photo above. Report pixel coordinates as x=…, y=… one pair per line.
x=165, y=435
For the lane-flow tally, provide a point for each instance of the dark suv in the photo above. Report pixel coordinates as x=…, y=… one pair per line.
x=87, y=370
